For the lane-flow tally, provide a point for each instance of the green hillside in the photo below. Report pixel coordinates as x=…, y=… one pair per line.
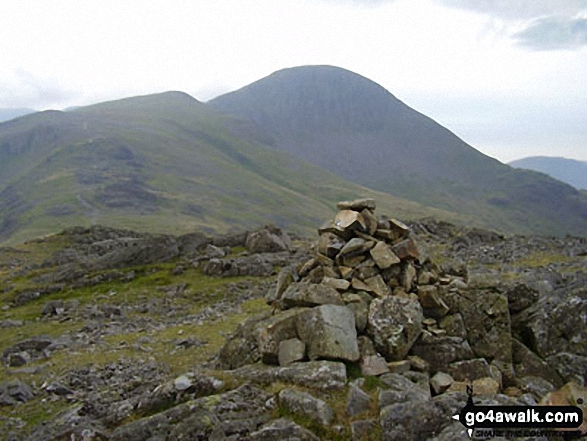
x=161, y=163
x=355, y=128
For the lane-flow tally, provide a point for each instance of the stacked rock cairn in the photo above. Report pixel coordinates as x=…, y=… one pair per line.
x=365, y=297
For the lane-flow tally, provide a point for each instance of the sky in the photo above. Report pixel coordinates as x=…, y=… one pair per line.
x=508, y=77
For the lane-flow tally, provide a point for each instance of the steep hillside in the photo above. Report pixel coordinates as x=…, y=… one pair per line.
x=571, y=171
x=159, y=163
x=355, y=128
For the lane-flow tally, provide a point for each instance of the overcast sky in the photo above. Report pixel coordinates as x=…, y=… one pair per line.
x=508, y=76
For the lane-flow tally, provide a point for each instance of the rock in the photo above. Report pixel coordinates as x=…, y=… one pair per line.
x=212, y=251
x=487, y=320
x=399, y=367
x=399, y=388
x=521, y=297
x=330, y=244
x=290, y=351
x=394, y=325
x=349, y=220
x=536, y=386
x=282, y=429
x=239, y=411
x=440, y=382
x=315, y=374
x=360, y=310
x=481, y=387
x=310, y=294
x=570, y=367
x=373, y=365
x=370, y=220
x=329, y=332
x=13, y=392
x=57, y=388
x=469, y=370
x=305, y=404
x=363, y=429
x=268, y=240
x=284, y=279
x=378, y=286
x=398, y=227
x=182, y=383
x=357, y=204
x=431, y=302
x=408, y=277
x=406, y=249
x=440, y=351
x=454, y=325
x=418, y=364
x=383, y=255
x=273, y=331
x=53, y=307
x=338, y=284
x=353, y=247
x=18, y=359
x=527, y=363
x=357, y=401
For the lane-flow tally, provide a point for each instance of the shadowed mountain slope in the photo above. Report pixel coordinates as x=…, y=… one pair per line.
x=355, y=128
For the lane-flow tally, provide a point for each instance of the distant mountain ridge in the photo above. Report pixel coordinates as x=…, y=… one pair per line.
x=163, y=163
x=355, y=128
x=571, y=171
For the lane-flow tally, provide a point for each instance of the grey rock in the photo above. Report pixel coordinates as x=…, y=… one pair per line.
x=273, y=331
x=353, y=247
x=398, y=389
x=329, y=332
x=360, y=310
x=357, y=401
x=440, y=351
x=394, y=324
x=18, y=359
x=267, y=240
x=527, y=363
x=570, y=367
x=440, y=382
x=282, y=429
x=305, y=404
x=290, y=351
x=330, y=244
x=431, y=302
x=454, y=325
x=536, y=386
x=469, y=370
x=383, y=255
x=378, y=286
x=310, y=294
x=284, y=278
x=15, y=391
x=315, y=374
x=373, y=365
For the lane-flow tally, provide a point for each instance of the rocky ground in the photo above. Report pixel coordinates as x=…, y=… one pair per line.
x=371, y=332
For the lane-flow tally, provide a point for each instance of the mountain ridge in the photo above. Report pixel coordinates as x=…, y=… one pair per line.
x=571, y=171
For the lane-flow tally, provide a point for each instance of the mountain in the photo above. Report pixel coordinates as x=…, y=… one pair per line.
x=161, y=163
x=571, y=171
x=355, y=128
x=8, y=113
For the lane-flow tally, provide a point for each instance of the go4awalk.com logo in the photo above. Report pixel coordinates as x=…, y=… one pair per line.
x=508, y=421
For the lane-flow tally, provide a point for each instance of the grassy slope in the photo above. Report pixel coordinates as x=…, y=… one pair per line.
x=160, y=163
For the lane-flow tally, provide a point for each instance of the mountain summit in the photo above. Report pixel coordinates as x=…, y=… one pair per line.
x=355, y=128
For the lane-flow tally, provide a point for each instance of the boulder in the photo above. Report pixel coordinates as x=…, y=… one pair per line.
x=357, y=401
x=276, y=329
x=399, y=388
x=282, y=429
x=268, y=240
x=394, y=325
x=329, y=332
x=440, y=382
x=310, y=294
x=349, y=220
x=440, y=351
x=307, y=405
x=330, y=244
x=357, y=204
x=290, y=351
x=373, y=365
x=314, y=374
x=383, y=255
x=469, y=370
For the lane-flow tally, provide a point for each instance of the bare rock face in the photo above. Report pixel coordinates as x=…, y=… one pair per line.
x=329, y=332
x=394, y=325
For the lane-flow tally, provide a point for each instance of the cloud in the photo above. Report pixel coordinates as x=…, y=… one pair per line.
x=553, y=33
x=520, y=9
x=360, y=3
x=27, y=90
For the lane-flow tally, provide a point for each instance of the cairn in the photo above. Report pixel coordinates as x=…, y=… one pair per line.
x=365, y=297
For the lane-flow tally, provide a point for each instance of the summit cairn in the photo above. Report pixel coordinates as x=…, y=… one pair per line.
x=362, y=298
